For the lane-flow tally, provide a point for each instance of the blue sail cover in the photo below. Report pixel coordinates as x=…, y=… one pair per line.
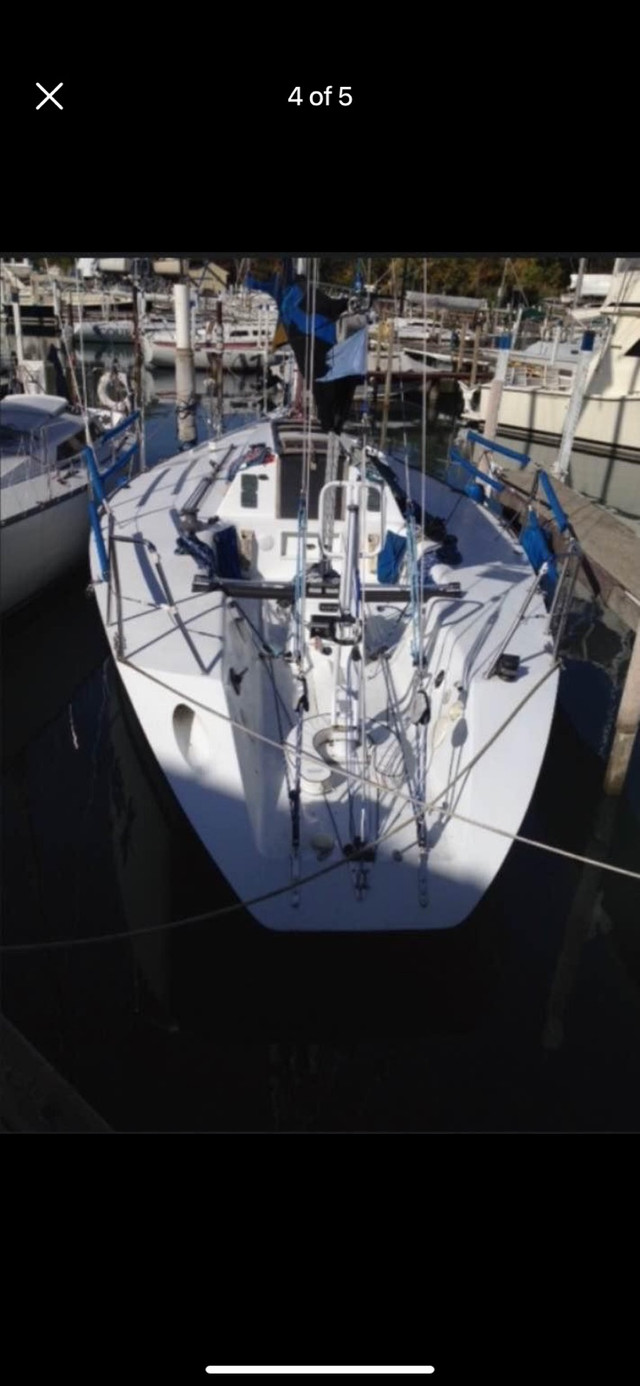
x=220, y=558
x=333, y=398
x=227, y=552
x=538, y=550
x=277, y=285
x=317, y=330
x=391, y=556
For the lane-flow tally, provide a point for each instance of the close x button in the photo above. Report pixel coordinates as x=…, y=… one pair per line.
x=49, y=96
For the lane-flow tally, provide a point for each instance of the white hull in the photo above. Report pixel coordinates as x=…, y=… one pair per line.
x=161, y=354
x=228, y=805
x=401, y=363
x=118, y=332
x=604, y=423
x=605, y=459
x=44, y=512
x=217, y=717
x=42, y=546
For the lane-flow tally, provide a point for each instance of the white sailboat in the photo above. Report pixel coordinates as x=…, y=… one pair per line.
x=342, y=687
x=242, y=337
x=44, y=523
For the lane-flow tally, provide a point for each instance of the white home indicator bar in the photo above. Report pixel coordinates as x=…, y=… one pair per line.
x=319, y=1371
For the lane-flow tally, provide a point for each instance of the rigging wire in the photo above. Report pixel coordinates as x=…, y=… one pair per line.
x=210, y=915
x=294, y=885
x=302, y=706
x=420, y=670
x=198, y=918
x=317, y=759
x=515, y=837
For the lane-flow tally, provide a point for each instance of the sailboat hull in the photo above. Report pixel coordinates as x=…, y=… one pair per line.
x=41, y=546
x=368, y=848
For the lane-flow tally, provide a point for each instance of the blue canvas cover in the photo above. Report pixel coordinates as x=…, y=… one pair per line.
x=390, y=557
x=306, y=315
x=538, y=550
x=227, y=553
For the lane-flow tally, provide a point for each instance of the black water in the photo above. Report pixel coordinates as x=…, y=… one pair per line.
x=521, y=1019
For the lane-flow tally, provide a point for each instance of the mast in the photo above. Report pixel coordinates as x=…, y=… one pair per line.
x=299, y=633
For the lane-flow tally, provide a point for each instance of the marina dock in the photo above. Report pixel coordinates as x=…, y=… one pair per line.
x=609, y=545
x=611, y=559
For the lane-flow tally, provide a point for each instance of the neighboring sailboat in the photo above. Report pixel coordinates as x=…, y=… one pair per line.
x=337, y=687
x=242, y=335
x=44, y=524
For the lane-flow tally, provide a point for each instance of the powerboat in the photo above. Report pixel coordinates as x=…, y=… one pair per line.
x=605, y=454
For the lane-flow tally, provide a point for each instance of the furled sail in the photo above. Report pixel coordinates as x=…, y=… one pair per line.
x=309, y=320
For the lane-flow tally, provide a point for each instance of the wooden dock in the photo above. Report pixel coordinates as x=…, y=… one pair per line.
x=612, y=550
x=610, y=546
x=33, y=1097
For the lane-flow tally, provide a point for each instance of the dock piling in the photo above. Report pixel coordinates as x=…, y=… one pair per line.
x=496, y=388
x=185, y=371
x=561, y=465
x=626, y=726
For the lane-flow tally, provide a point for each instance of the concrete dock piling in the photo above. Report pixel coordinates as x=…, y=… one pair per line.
x=626, y=725
x=496, y=388
x=185, y=370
